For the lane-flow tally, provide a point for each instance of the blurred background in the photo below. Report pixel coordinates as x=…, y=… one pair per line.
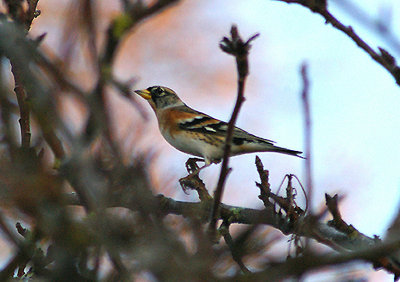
x=354, y=102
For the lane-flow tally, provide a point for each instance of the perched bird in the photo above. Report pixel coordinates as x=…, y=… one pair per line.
x=198, y=134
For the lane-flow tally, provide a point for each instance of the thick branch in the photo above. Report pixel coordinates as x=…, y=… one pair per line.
x=325, y=233
x=321, y=232
x=301, y=265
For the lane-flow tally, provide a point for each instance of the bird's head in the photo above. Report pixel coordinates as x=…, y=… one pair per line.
x=160, y=97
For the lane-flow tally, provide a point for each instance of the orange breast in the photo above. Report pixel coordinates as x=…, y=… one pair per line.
x=168, y=120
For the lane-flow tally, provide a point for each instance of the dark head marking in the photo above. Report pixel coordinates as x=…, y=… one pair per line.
x=163, y=96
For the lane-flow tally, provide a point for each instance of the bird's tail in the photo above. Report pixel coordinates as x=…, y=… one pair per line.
x=242, y=145
x=287, y=151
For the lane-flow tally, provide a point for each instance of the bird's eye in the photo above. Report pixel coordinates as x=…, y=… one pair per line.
x=159, y=91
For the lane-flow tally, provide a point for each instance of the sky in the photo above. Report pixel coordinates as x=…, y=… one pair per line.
x=354, y=101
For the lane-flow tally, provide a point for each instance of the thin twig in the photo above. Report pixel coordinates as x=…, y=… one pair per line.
x=24, y=109
x=31, y=13
x=380, y=25
x=124, y=88
x=304, y=192
x=290, y=196
x=118, y=265
x=307, y=137
x=224, y=230
x=24, y=17
x=238, y=48
x=307, y=132
x=54, y=143
x=320, y=8
x=59, y=76
x=89, y=13
x=100, y=120
x=121, y=25
x=264, y=186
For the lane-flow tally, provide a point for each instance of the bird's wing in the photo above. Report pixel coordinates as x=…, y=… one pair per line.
x=206, y=124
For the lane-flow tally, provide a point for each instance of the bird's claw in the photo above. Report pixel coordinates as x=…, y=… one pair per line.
x=192, y=166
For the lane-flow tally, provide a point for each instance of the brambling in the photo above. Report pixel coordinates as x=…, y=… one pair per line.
x=198, y=134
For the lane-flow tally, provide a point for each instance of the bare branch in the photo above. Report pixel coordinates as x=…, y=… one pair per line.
x=380, y=25
x=224, y=230
x=307, y=132
x=25, y=18
x=24, y=109
x=238, y=48
x=99, y=120
x=301, y=265
x=320, y=8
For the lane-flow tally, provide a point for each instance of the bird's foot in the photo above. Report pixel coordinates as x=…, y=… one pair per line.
x=189, y=182
x=193, y=181
x=192, y=166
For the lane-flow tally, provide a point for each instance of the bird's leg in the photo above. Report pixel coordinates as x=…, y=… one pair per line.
x=193, y=180
x=191, y=165
x=193, y=168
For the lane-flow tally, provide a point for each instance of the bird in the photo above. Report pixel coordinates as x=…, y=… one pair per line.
x=199, y=134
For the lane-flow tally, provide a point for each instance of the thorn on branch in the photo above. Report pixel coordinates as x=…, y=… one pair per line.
x=387, y=57
x=316, y=5
x=40, y=39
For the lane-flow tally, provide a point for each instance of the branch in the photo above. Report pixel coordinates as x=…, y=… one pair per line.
x=307, y=131
x=236, y=47
x=54, y=71
x=99, y=120
x=380, y=25
x=31, y=13
x=322, y=232
x=24, y=109
x=320, y=7
x=330, y=234
x=121, y=25
x=25, y=18
x=21, y=51
x=235, y=250
x=301, y=265
x=193, y=181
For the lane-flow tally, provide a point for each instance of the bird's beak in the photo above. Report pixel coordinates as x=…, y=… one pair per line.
x=144, y=93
